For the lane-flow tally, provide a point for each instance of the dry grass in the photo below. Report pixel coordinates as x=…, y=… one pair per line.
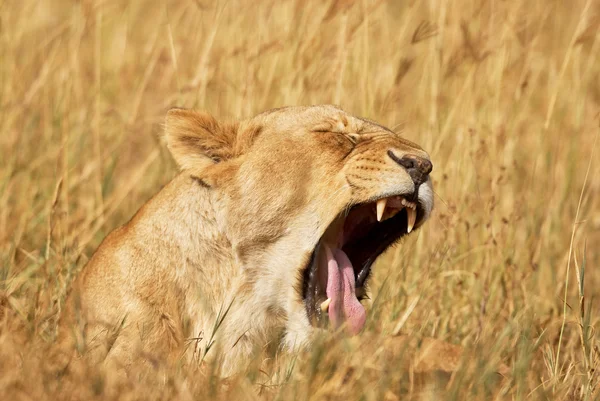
x=505, y=95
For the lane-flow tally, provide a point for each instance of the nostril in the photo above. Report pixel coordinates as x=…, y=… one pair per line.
x=421, y=164
x=417, y=167
x=407, y=162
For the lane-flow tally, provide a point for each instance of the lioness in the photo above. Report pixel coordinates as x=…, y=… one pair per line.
x=270, y=230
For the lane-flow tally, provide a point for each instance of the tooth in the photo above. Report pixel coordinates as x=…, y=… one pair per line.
x=381, y=208
x=412, y=217
x=325, y=305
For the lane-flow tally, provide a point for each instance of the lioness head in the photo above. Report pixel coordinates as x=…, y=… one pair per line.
x=308, y=198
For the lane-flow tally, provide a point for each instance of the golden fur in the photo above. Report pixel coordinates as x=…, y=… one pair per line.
x=231, y=233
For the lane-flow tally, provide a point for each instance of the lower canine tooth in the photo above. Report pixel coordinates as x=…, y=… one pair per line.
x=325, y=305
x=412, y=217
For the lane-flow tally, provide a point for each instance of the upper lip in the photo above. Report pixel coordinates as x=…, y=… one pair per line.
x=363, y=239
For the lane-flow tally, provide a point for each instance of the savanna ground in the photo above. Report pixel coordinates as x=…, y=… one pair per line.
x=505, y=96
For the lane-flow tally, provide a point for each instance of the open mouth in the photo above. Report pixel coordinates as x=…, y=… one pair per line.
x=335, y=278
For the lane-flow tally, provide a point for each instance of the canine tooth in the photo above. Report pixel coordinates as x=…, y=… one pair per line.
x=381, y=208
x=412, y=217
x=325, y=305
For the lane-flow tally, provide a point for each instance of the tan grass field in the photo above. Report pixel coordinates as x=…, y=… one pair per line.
x=505, y=96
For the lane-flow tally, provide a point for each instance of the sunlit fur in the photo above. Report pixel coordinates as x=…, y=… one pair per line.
x=233, y=232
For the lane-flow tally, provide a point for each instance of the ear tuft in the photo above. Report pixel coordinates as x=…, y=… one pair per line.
x=197, y=140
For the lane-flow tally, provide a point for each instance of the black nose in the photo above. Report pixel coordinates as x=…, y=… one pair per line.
x=417, y=167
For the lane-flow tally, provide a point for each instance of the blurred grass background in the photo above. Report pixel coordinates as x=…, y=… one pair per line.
x=504, y=95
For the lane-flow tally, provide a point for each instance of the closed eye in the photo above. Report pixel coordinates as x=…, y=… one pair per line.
x=353, y=138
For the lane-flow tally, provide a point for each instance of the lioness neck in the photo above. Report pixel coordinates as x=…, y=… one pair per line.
x=181, y=225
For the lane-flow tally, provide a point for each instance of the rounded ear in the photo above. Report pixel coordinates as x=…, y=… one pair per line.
x=197, y=140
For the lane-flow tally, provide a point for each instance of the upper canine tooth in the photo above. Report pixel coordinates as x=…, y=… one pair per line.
x=412, y=217
x=381, y=208
x=325, y=305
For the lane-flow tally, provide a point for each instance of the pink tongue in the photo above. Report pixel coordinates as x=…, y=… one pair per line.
x=341, y=290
